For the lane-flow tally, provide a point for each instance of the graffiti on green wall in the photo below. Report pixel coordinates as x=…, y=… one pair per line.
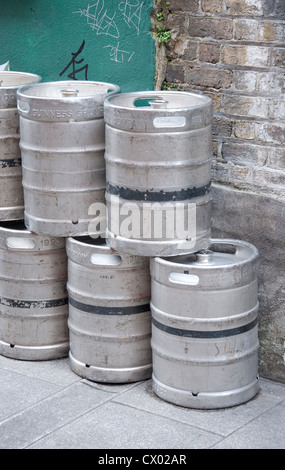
x=101, y=40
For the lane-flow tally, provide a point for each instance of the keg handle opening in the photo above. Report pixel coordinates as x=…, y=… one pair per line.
x=23, y=107
x=105, y=260
x=15, y=243
x=184, y=279
x=69, y=92
x=169, y=122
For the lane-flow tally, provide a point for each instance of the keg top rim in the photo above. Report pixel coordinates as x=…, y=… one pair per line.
x=226, y=253
x=88, y=240
x=176, y=100
x=14, y=226
x=58, y=90
x=18, y=79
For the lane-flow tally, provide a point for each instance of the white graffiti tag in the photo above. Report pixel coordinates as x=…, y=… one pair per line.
x=99, y=20
x=119, y=55
x=132, y=12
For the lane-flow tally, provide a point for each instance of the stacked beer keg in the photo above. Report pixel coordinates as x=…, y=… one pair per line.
x=113, y=262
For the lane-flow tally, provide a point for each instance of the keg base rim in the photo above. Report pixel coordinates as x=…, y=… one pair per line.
x=153, y=248
x=11, y=214
x=108, y=375
x=206, y=400
x=60, y=228
x=34, y=353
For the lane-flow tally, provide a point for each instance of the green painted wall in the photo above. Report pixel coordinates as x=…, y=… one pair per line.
x=40, y=36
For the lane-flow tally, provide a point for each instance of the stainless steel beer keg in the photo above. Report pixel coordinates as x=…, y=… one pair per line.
x=62, y=147
x=109, y=313
x=205, y=326
x=33, y=295
x=158, y=170
x=11, y=193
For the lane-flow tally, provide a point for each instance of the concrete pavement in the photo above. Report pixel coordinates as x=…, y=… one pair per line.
x=44, y=405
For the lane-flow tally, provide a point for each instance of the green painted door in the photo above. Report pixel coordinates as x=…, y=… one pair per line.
x=100, y=40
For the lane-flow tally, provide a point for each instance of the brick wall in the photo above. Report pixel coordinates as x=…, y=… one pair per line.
x=234, y=51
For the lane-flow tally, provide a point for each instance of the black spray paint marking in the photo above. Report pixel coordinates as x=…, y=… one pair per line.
x=158, y=196
x=74, y=63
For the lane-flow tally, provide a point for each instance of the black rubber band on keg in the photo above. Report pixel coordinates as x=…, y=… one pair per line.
x=158, y=196
x=33, y=303
x=109, y=310
x=11, y=163
x=205, y=334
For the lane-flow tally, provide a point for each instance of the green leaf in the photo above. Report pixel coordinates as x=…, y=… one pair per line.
x=5, y=66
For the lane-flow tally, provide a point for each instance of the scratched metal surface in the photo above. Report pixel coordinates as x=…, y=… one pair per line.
x=33, y=296
x=109, y=313
x=11, y=194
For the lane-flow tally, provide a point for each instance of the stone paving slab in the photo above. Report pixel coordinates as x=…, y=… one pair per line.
x=44, y=405
x=50, y=414
x=223, y=422
x=18, y=392
x=267, y=431
x=57, y=372
x=117, y=426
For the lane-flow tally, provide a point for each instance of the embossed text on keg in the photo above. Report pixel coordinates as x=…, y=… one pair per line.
x=8, y=98
x=90, y=112
x=128, y=124
x=51, y=113
x=51, y=242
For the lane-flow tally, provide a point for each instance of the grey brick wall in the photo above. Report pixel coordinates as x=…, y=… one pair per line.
x=234, y=52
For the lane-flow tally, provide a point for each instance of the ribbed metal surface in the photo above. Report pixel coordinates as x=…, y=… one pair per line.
x=158, y=154
x=62, y=147
x=109, y=313
x=33, y=295
x=205, y=326
x=11, y=193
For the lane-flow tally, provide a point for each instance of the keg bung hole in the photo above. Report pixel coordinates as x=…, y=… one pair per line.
x=87, y=366
x=75, y=222
x=143, y=102
x=12, y=346
x=195, y=394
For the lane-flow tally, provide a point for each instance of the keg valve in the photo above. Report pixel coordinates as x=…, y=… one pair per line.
x=158, y=103
x=204, y=256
